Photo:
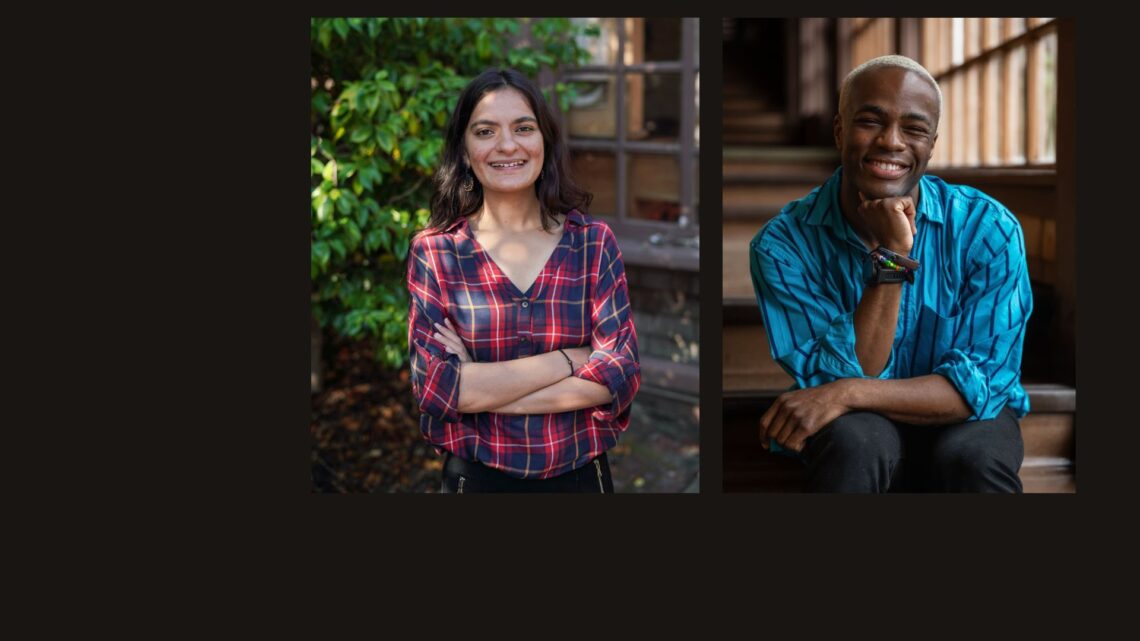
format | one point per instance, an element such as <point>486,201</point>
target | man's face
<point>887,136</point>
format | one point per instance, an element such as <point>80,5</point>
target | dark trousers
<point>463,477</point>
<point>866,452</point>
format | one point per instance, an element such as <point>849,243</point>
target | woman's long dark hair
<point>554,188</point>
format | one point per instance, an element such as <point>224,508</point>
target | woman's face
<point>502,143</point>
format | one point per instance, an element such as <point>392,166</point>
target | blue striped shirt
<point>963,318</point>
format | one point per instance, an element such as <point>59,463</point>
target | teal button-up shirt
<point>963,317</point>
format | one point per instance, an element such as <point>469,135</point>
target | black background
<point>234,442</point>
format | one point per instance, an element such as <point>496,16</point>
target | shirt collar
<point>826,210</point>
<point>573,217</point>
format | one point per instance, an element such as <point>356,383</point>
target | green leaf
<point>318,167</point>
<point>341,26</point>
<point>329,172</point>
<point>320,102</point>
<point>338,247</point>
<point>365,176</point>
<point>321,253</point>
<point>372,240</point>
<point>385,140</point>
<point>360,134</point>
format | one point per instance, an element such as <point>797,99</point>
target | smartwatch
<point>882,265</point>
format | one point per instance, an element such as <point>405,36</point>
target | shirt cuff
<point>439,396</point>
<point>972,384</point>
<point>619,374</point>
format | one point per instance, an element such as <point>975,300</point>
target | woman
<point>523,351</point>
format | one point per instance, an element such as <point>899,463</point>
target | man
<point>898,303</point>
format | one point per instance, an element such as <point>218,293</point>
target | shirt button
<point>523,339</point>
<point>525,304</point>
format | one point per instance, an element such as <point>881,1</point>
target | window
<point>633,134</point>
<point>999,86</point>
<point>998,78</point>
<point>871,38</point>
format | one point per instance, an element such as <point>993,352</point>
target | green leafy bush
<point>382,90</point>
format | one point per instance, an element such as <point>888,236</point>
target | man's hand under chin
<point>890,220</point>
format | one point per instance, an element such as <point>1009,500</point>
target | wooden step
<point>747,364</point>
<point>758,213</point>
<point>744,101</point>
<point>737,279</point>
<point>810,176</point>
<point>756,138</point>
<point>1048,433</point>
<point>740,307</point>
<point>781,153</point>
<point>739,116</point>
<point>752,194</point>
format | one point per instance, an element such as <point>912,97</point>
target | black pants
<point>462,477</point>
<point>866,452</point>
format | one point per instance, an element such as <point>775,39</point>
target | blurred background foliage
<point>382,90</point>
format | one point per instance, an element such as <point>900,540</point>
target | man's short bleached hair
<point>886,61</point>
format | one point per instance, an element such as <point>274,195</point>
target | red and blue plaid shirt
<point>580,298</point>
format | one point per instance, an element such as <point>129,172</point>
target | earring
<point>468,183</point>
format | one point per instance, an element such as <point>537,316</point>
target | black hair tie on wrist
<point>568,361</point>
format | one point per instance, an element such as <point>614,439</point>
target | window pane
<point>654,102</point>
<point>876,38</point>
<point>603,49</point>
<point>592,113</point>
<point>944,146</point>
<point>973,37</point>
<point>1014,27</point>
<point>958,48</point>
<point>596,172</point>
<point>992,33</point>
<point>662,39</point>
<point>991,111</point>
<point>973,91</point>
<point>958,149</point>
<point>1015,107</point>
<point>1047,99</point>
<point>652,106</point>
<point>654,187</point>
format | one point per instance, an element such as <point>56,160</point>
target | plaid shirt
<point>580,298</point>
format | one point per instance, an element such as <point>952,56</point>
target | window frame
<point>686,150</point>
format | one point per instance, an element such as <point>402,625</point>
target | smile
<point>886,170</point>
<point>508,165</point>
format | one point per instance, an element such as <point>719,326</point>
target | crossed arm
<point>540,384</point>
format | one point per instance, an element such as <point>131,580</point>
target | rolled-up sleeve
<point>614,361</point>
<point>985,361</point>
<point>435,372</point>
<point>809,334</point>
